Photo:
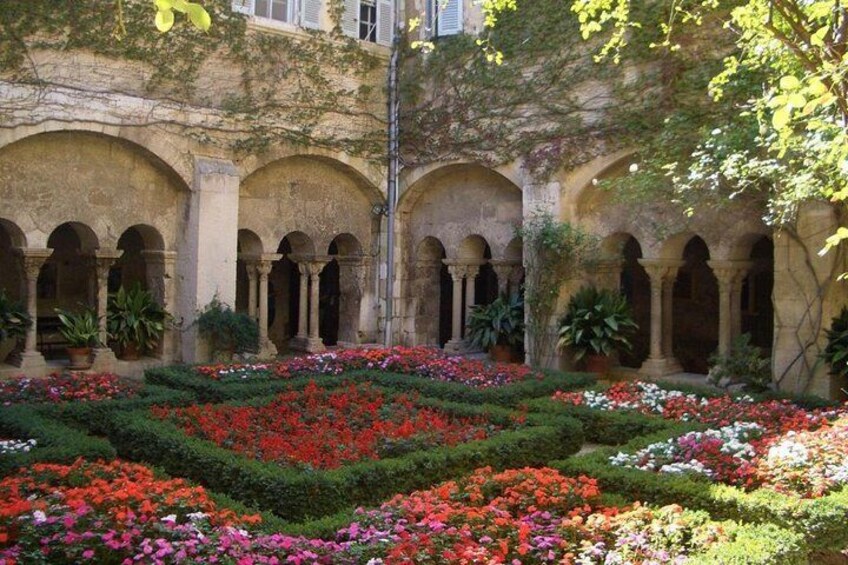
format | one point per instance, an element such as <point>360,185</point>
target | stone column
<point>267,349</point>
<point>457,273</point>
<point>251,267</point>
<point>515,277</point>
<point>745,269</point>
<point>104,357</point>
<point>31,362</point>
<point>160,281</point>
<point>352,287</point>
<point>660,273</point>
<point>729,275</point>
<point>207,247</point>
<point>503,270</point>
<point>314,267</point>
<point>300,340</point>
<point>471,273</point>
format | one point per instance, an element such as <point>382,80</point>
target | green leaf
<point>199,16</point>
<point>164,20</point>
<point>781,117</point>
<point>164,5</point>
<point>789,82</point>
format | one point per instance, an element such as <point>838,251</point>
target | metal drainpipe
<point>393,107</point>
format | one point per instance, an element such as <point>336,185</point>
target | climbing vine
<point>255,89</point>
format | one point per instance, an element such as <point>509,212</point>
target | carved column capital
<point>660,270</point>
<point>729,273</point>
<point>103,261</point>
<point>33,259</point>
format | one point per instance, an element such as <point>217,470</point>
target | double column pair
<point>663,273</point>
<point>258,269</point>
<point>460,273</point>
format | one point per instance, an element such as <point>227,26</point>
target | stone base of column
<point>298,343</point>
<point>454,346</point>
<point>660,367</point>
<point>32,364</point>
<point>104,360</point>
<point>268,350</point>
<point>315,345</point>
<point>347,344</point>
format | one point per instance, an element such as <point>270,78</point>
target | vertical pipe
<point>393,107</point>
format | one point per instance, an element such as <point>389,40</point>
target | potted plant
<point>135,321</point>
<point>595,325</point>
<point>82,332</point>
<point>835,353</point>
<point>14,323</point>
<point>497,327</point>
<point>228,332</point>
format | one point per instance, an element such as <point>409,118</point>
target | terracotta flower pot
<point>501,353</point>
<point>80,357</point>
<point>130,352</point>
<point>598,364</point>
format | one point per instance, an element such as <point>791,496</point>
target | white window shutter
<point>449,18</point>
<point>385,21</point>
<point>350,18</point>
<point>243,7</point>
<point>310,14</point>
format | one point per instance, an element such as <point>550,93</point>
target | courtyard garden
<point>411,456</point>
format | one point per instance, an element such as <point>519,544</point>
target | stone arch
<point>430,279</point>
<point>108,182</point>
<point>695,304</point>
<point>342,288</point>
<point>249,247</point>
<point>286,309</point>
<point>316,195</point>
<point>472,249</point>
<point>12,238</point>
<point>137,243</point>
<point>579,194</point>
<point>752,301</point>
<point>154,144</point>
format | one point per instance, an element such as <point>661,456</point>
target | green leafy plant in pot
<point>835,354</point>
<point>228,332</point>
<point>135,321</point>
<point>596,324</point>
<point>14,323</point>
<point>497,327</point>
<point>82,332</point>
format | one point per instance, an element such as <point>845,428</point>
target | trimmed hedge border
<point>824,520</point>
<point>57,442</point>
<point>95,416</point>
<point>296,495</point>
<point>209,390</point>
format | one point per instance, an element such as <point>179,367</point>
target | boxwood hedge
<point>296,495</point>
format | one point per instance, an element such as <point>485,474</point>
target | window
<point>443,17</point>
<point>279,10</point>
<point>368,20</point>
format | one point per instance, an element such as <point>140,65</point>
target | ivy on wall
<point>316,89</point>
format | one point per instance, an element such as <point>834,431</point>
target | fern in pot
<point>497,327</point>
<point>596,324</point>
<point>82,332</point>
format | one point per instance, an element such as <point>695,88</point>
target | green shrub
<point>596,322</point>
<point>228,331</point>
<point>135,318</point>
<point>745,364</point>
<point>57,442</point>
<point>296,495</point>
<point>498,323</point>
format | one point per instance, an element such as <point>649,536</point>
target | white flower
<point>39,517</point>
<point>634,167</point>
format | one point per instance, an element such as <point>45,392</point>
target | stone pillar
<point>251,267</point>
<point>352,287</point>
<point>504,271</point>
<point>314,267</point>
<point>31,362</point>
<point>160,281</point>
<point>729,275</point>
<point>471,273</point>
<point>515,277</point>
<point>300,340</point>
<point>267,349</point>
<point>660,273</point>
<point>457,273</point>
<point>208,247</point>
<point>745,269</point>
<point>104,357</point>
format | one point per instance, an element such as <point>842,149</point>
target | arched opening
<point>249,248</point>
<point>635,285</point>
<point>67,281</point>
<point>432,293</point>
<point>486,283</point>
<point>286,318</point>
<point>134,265</point>
<point>11,276</point>
<point>756,305</point>
<point>329,295</point>
<point>695,307</point>
<point>342,288</point>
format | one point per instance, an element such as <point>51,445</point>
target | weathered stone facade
<point>103,183</point>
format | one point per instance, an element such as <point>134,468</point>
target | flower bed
<point>776,416</point>
<point>9,446</point>
<point>425,362</point>
<point>121,513</point>
<point>65,387</point>
<point>325,429</point>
